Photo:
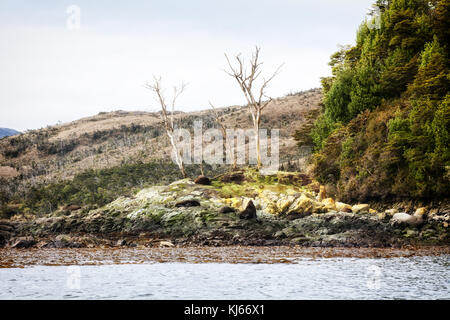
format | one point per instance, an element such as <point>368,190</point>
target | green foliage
<point>336,101</point>
<point>322,129</point>
<point>384,130</point>
<point>98,187</point>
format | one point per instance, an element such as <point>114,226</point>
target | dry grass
<point>287,114</point>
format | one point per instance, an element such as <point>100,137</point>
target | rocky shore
<point>234,209</point>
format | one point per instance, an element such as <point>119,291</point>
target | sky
<point>64,60</point>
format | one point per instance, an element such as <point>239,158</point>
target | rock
<point>329,204</point>
<point>404,218</point>
<point>23,243</point>
<point>296,215</point>
<point>343,207</point>
<point>121,243</point>
<point>421,212</point>
<point>303,205</point>
<point>234,177</point>
<point>72,207</point>
<point>360,208</point>
<point>63,238</point>
<point>187,203</point>
<point>322,194</point>
<point>432,213</point>
<point>382,215</point>
<point>227,209</point>
<point>166,244</point>
<point>391,212</point>
<point>44,244</point>
<point>411,233</point>
<point>428,233</point>
<point>202,180</point>
<point>249,211</point>
<point>182,182</point>
<point>283,203</point>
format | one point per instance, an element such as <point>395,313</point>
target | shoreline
<point>21,258</point>
<point>253,211</point>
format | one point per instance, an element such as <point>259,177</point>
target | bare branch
<point>246,79</point>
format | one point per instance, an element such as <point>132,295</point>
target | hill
<point>95,159</point>
<point>5,132</point>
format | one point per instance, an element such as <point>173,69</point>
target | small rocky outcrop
<point>166,244</point>
<point>121,243</point>
<point>23,242</point>
<point>234,177</point>
<point>203,180</point>
<point>249,212</point>
<point>360,208</point>
<point>407,219</point>
<point>187,204</point>
<point>343,207</point>
<point>226,209</point>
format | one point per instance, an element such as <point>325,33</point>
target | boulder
<point>121,243</point>
<point>227,209</point>
<point>203,180</point>
<point>329,204</point>
<point>187,203</point>
<point>421,212</point>
<point>166,244</point>
<point>302,205</point>
<point>360,208</point>
<point>249,212</point>
<point>283,203</point>
<point>23,243</point>
<point>404,218</point>
<point>343,207</point>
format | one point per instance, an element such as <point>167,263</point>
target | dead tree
<point>246,78</point>
<point>168,116</point>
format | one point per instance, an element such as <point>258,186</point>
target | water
<point>420,277</point>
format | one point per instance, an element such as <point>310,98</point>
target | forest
<point>383,132</point>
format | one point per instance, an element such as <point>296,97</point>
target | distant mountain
<point>5,132</point>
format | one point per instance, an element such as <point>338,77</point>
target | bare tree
<point>168,116</point>
<point>254,96</point>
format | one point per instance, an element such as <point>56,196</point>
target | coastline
<point>20,258</point>
<point>239,209</point>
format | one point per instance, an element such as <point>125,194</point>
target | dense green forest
<point>384,128</point>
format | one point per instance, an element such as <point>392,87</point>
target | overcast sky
<point>50,72</point>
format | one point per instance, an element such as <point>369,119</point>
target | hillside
<point>119,142</point>
<point>5,132</point>
<point>384,133</point>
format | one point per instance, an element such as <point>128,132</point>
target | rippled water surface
<point>303,276</point>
